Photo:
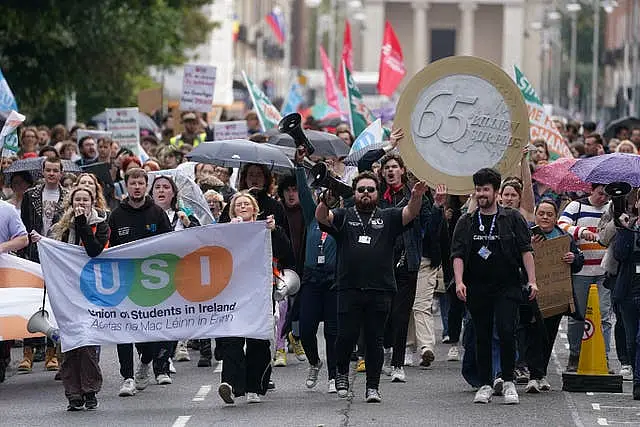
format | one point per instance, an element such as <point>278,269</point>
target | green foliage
<point>100,48</point>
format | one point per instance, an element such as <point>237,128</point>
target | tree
<point>99,49</point>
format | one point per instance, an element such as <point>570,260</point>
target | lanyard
<point>323,237</point>
<point>364,229</point>
<point>481,226</point>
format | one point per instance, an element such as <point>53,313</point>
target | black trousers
<point>540,339</point>
<point>395,335</point>
<point>357,307</point>
<point>483,309</point>
<point>246,372</point>
<point>456,314</point>
<point>156,352</point>
<point>319,303</point>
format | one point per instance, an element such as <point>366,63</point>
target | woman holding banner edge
<point>82,225</point>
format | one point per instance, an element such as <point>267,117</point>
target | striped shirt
<point>578,216</point>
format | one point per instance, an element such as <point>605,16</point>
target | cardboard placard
<point>553,276</point>
<point>230,130</point>
<point>150,100</point>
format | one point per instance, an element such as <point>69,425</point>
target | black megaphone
<point>321,177</point>
<point>291,124</point>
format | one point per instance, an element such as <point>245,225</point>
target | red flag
<point>347,55</point>
<point>330,91</point>
<point>391,62</point>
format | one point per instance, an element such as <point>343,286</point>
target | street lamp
<point>573,9</point>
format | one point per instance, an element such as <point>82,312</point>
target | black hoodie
<point>129,224</point>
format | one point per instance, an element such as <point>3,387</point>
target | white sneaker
<point>498,385</point>
<point>332,387</point>
<point>510,394</point>
<point>128,388</point>
<point>627,372</point>
<point>454,354</point>
<point>544,384</point>
<point>532,387</point>
<point>253,398</point>
<point>386,365</point>
<point>142,376</point>
<point>163,379</point>
<point>226,393</point>
<point>398,375</point>
<point>172,368</point>
<point>182,353</point>
<point>409,357</point>
<point>483,395</point>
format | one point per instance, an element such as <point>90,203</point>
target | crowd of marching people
<point>373,267</point>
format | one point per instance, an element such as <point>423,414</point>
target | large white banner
<point>124,127</point>
<point>202,282</point>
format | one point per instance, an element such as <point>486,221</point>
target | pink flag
<point>330,91</point>
<point>391,63</point>
<point>347,55</point>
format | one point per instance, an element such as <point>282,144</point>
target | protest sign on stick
<point>198,85</point>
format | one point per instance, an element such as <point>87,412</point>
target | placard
<point>230,130</point>
<point>124,127</point>
<point>553,276</point>
<point>150,100</point>
<point>198,85</point>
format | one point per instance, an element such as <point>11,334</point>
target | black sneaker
<point>342,385</point>
<point>90,401</point>
<point>75,405</point>
<point>372,396</point>
<point>271,385</point>
<point>521,375</point>
<point>58,376</point>
<point>204,362</point>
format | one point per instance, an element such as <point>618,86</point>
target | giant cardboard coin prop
<point>461,114</point>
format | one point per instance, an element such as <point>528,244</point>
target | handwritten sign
<point>198,85</point>
<point>124,127</point>
<point>230,130</point>
<point>553,276</point>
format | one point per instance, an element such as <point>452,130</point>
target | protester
<point>83,225</point>
<point>48,152</point>
<point>68,150</point>
<point>104,150</point>
<point>593,145</point>
<point>344,133</point>
<point>28,141</point>
<point>247,371</point>
<point>135,218</point>
<point>627,146</point>
<point>216,203</point>
<point>88,151</point>
<point>580,219</point>
<point>365,272</point>
<point>20,182</point>
<point>192,133</point>
<point>491,250</point>
<point>253,123</point>
<point>90,181</point>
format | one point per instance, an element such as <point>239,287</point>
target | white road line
<point>182,421</point>
<point>619,407</point>
<point>602,422</point>
<point>589,393</point>
<point>595,406</point>
<point>202,393</point>
<point>563,335</point>
<point>573,410</point>
<point>566,346</point>
<point>614,422</point>
<point>604,393</point>
<point>218,367</point>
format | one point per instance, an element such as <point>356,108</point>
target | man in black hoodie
<point>138,217</point>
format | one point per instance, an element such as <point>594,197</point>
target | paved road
<point>433,397</point>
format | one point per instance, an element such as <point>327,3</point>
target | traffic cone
<point>593,373</point>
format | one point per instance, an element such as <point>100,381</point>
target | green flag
<point>359,115</point>
<point>528,92</point>
<point>268,115</point>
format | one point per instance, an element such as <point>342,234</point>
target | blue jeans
<point>630,316</point>
<point>575,327</point>
<point>469,363</point>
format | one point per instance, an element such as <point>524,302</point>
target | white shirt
<point>49,204</point>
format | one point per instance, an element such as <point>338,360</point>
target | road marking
<point>218,367</point>
<point>602,422</point>
<point>618,407</point>
<point>566,346</point>
<point>182,421</point>
<point>573,410</point>
<point>563,335</point>
<point>595,406</point>
<point>202,393</point>
<point>604,393</point>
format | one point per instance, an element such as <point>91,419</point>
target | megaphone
<point>39,322</point>
<point>618,192</point>
<point>286,283</point>
<point>321,177</point>
<point>291,124</point>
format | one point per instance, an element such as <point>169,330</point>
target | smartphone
<point>537,231</point>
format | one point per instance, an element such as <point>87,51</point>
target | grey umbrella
<point>326,144</point>
<point>353,158</point>
<point>33,165</point>
<point>628,122</point>
<point>238,152</point>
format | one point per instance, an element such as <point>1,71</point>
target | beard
<point>485,202</point>
<point>367,205</point>
<point>136,199</point>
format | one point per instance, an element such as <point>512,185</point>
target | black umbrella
<point>353,158</point>
<point>238,152</point>
<point>144,121</point>
<point>628,122</point>
<point>33,165</point>
<point>326,144</point>
<point>331,122</point>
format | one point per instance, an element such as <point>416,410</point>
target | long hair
<point>68,218</point>
<point>244,172</point>
<point>174,188</point>
<point>101,202</point>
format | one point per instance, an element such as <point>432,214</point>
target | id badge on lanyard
<point>321,258</point>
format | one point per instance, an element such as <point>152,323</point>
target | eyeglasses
<point>366,189</point>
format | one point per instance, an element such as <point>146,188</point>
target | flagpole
<point>348,95</point>
<point>253,99</point>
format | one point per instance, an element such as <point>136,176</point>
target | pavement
<point>437,396</point>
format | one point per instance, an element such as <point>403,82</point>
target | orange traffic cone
<point>593,374</point>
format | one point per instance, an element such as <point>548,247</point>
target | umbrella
<point>144,121</point>
<point>33,165</point>
<point>558,176</point>
<point>237,152</point>
<point>190,198</point>
<point>353,158</point>
<point>608,168</point>
<point>628,122</point>
<point>326,144</point>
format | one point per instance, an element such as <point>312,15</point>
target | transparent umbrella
<point>190,198</point>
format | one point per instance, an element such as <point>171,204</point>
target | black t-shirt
<point>486,269</point>
<point>365,248</point>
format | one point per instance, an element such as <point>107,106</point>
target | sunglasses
<point>366,189</point>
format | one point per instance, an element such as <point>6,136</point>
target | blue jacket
<point>627,257</point>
